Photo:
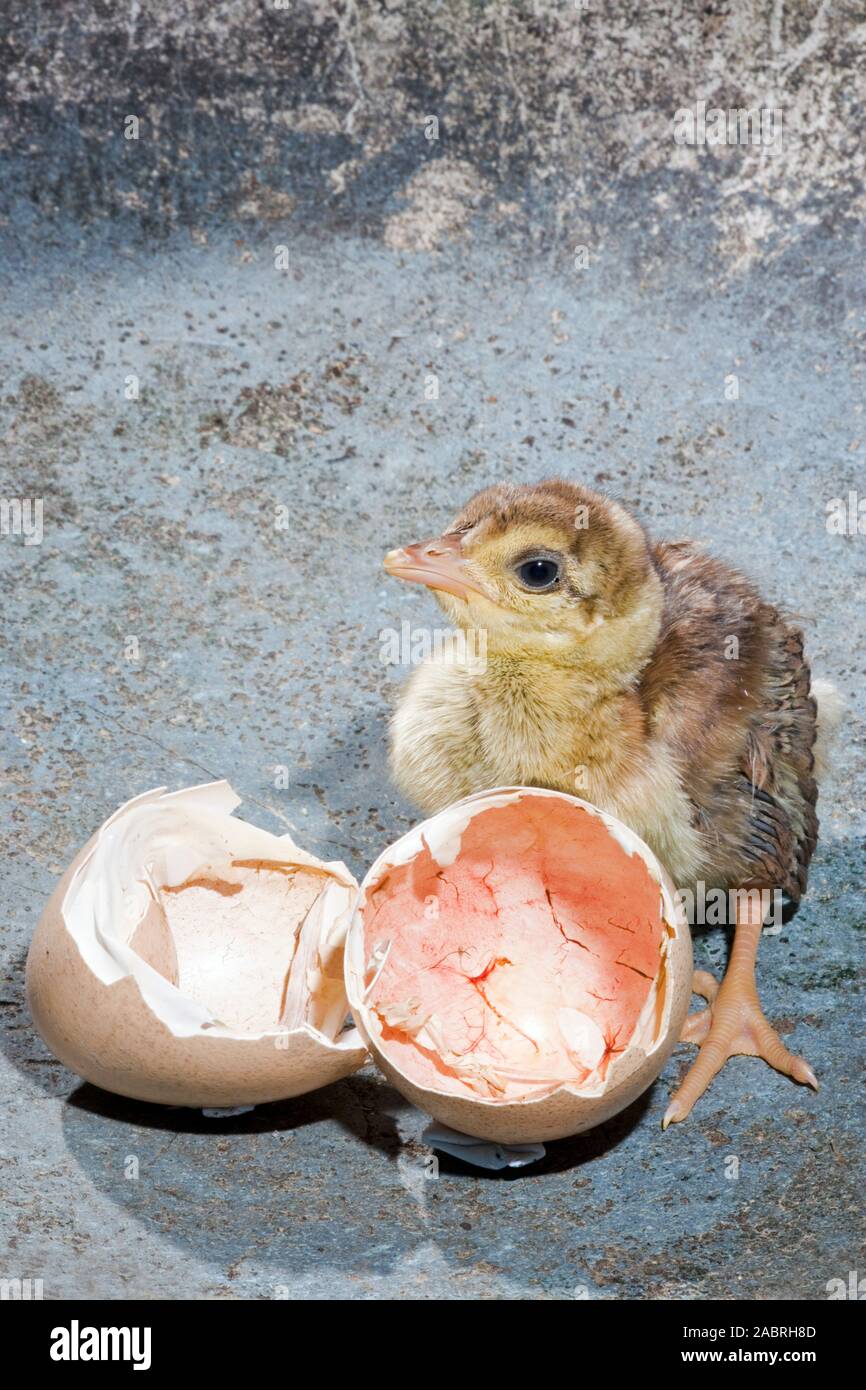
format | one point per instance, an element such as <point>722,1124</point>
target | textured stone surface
<point>258,647</point>
<point>552,114</point>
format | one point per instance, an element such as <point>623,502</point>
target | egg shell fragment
<point>118,986</point>
<point>408,992</point>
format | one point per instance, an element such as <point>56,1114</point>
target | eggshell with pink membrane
<point>519,965</point>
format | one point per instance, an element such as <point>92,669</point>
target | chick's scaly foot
<point>697,1026</point>
<point>733,1024</point>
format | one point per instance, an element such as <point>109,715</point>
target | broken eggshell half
<point>190,958</point>
<point>519,965</point>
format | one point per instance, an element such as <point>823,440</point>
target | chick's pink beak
<point>439,564</point>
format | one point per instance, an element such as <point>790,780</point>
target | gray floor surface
<point>260,648</point>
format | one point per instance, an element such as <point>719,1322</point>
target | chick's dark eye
<point>539,573</point>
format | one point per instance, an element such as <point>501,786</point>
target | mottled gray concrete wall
<point>552,115</point>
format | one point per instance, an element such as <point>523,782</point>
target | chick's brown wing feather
<point>779,761</point>
<point>727,689</point>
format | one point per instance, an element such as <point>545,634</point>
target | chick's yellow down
<point>651,680</point>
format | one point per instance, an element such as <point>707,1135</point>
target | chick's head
<point>551,568</point>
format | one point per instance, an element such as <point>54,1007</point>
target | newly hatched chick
<point>648,679</point>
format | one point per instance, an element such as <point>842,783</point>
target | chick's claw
<point>733,1024</point>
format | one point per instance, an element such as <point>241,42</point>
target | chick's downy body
<point>651,680</point>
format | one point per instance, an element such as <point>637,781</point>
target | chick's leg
<point>733,1022</point>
